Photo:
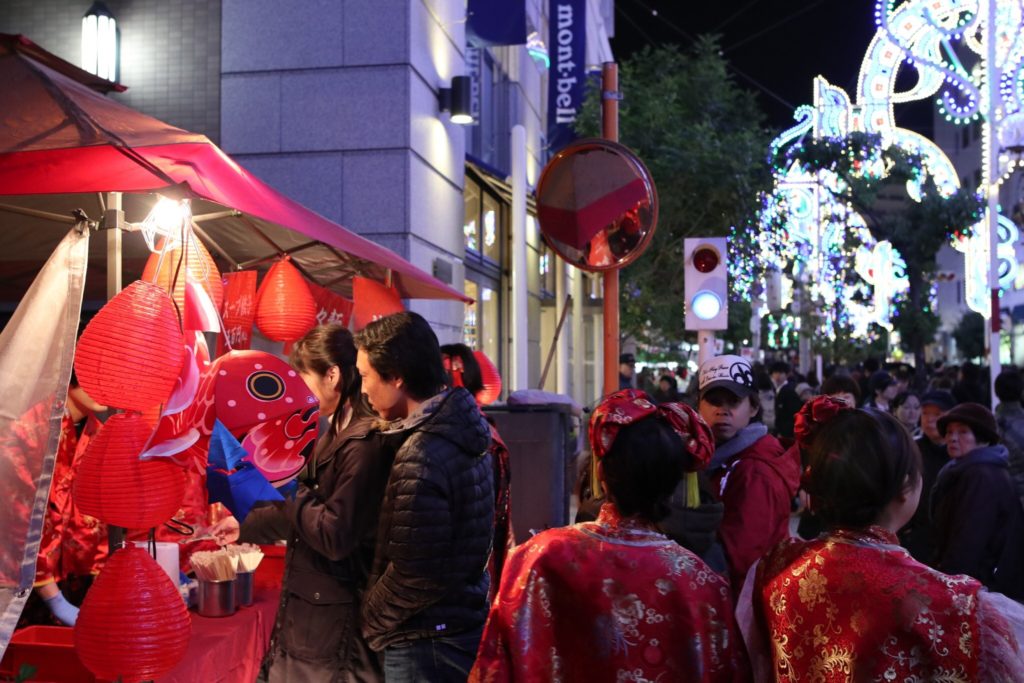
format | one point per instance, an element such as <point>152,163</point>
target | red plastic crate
<point>51,650</point>
<point>270,571</point>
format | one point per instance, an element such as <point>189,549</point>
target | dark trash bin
<point>542,441</point>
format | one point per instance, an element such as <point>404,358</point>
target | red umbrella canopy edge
<point>61,137</point>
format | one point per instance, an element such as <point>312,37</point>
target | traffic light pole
<point>705,346</point>
<point>610,131</point>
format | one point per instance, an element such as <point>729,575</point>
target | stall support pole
<point>113,220</point>
<point>610,131</point>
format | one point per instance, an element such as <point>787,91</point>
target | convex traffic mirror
<point>597,205</point>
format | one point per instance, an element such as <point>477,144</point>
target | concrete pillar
<point>520,293</point>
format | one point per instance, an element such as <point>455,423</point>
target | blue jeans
<point>437,660</point>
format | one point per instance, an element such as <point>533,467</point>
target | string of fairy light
<point>803,231</point>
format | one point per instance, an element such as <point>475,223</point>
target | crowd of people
<point>905,491</point>
<point>869,527</point>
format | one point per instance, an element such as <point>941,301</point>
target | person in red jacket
<point>751,473</point>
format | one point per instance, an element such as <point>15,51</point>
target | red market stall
<point>74,163</point>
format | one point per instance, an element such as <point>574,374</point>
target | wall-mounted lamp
<point>99,42</point>
<point>456,100</point>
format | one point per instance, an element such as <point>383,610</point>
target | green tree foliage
<point>970,335</point>
<point>702,138</point>
<point>917,229</point>
<point>845,349</point>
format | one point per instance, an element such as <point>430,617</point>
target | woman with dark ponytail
<point>464,369</point>
<point>330,525</point>
<point>852,605</point>
<point>616,599</point>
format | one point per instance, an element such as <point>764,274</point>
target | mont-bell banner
<point>568,75</point>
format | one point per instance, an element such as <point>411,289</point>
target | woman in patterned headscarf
<point>852,605</point>
<point>615,599</point>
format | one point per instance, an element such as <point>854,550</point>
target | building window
<point>481,326</point>
<point>491,222</point>
<point>485,225</point>
<point>489,335</point>
<point>965,137</point>
<point>485,228</point>
<point>471,225</point>
<point>487,140</point>
<point>548,267</point>
<point>470,322</point>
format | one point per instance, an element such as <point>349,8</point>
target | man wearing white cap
<point>755,478</point>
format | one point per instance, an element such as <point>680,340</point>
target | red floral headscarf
<point>813,414</point>
<point>631,405</point>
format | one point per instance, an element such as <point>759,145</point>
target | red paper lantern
<point>133,625</point>
<point>114,486</point>
<point>491,379</point>
<point>199,265</point>
<point>372,301</point>
<point>130,354</point>
<point>285,310</point>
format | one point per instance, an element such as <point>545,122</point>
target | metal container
<point>243,588</point>
<point>217,598</point>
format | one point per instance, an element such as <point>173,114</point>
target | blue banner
<point>495,22</point>
<point>567,77</point>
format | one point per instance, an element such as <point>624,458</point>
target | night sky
<point>774,47</point>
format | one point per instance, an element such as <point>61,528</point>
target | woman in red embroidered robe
<point>616,599</point>
<point>852,605</point>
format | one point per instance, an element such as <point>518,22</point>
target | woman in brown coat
<point>330,526</point>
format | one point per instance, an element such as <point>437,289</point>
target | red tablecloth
<point>224,650</point>
<point>228,649</point>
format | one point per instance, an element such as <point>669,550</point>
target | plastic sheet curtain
<point>36,355</point>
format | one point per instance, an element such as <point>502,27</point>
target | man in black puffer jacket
<point>427,598</point>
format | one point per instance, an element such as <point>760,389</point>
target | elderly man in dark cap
<point>975,508</point>
<point>627,370</point>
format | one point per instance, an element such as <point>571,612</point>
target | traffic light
<point>706,285</point>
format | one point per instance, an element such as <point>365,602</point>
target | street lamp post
<point>990,164</point>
